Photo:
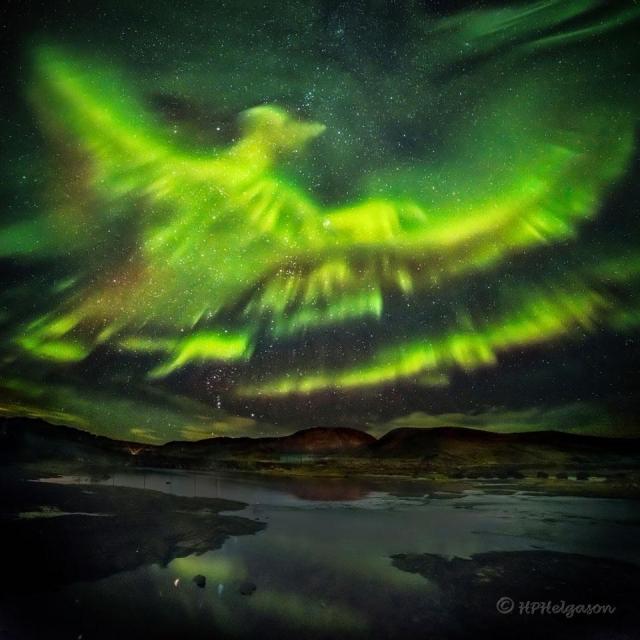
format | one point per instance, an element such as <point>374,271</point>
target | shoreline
<point>627,487</point>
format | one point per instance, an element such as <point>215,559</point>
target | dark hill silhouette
<point>407,441</point>
<point>403,451</point>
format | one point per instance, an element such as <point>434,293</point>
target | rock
<point>471,588</point>
<point>247,588</point>
<point>200,580</point>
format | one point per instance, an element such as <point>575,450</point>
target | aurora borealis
<point>221,218</point>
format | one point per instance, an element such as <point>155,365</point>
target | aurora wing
<point>520,187</point>
<point>200,227</point>
<point>229,257</point>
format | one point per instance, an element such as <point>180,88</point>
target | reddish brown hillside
<point>321,439</point>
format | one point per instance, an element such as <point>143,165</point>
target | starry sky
<point>244,218</point>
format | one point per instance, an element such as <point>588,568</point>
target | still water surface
<point>322,566</point>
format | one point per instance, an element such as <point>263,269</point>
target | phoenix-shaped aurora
<point>227,263</point>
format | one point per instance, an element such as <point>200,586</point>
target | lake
<point>322,567</point>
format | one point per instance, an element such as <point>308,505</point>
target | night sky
<point>242,218</point>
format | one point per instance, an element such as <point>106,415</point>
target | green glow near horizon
<point>192,257</point>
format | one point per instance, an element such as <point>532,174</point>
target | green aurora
<point>233,230</point>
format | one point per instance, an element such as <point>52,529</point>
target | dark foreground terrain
<point>56,536</point>
<point>547,461</point>
<point>91,557</point>
<point>96,561</point>
<point>531,594</point>
<point>67,533</point>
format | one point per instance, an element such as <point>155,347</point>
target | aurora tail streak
<point>315,230</point>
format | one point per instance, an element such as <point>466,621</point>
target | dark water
<point>322,565</point>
